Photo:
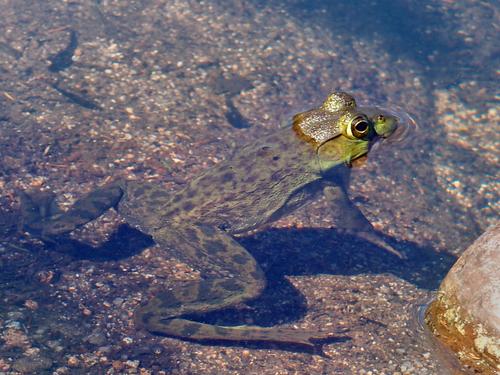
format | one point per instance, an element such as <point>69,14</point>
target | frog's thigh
<point>229,275</point>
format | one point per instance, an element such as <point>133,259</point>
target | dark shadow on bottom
<point>122,244</point>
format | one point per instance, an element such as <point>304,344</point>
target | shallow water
<point>161,90</point>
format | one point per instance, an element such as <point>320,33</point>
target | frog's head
<point>341,132</point>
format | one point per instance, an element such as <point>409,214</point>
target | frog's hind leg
<point>41,216</point>
<point>229,275</point>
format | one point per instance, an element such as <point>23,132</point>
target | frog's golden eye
<point>359,127</point>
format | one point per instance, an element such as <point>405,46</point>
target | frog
<point>200,224</point>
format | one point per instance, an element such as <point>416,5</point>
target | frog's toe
<point>375,239</point>
<point>193,330</point>
<point>306,337</point>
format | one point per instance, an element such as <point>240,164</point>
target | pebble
<point>96,338</point>
<point>127,340</point>
<point>407,367</point>
<point>104,349</point>
<point>14,324</point>
<point>62,371</point>
<point>4,366</point>
<point>45,277</point>
<point>86,312</point>
<point>132,364</point>
<point>15,315</point>
<point>118,365</point>
<point>32,352</point>
<point>31,305</point>
<point>103,360</point>
<point>32,365</point>
<point>73,361</point>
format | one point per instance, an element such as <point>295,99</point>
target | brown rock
<point>73,361</point>
<point>15,338</point>
<point>45,277</point>
<point>32,365</point>
<point>466,313</point>
<point>31,305</point>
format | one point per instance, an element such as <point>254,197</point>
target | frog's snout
<point>405,129</point>
<point>393,125</point>
<point>385,125</point>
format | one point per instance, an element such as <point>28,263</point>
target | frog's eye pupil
<point>361,126</point>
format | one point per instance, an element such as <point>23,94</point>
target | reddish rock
<point>466,312</point>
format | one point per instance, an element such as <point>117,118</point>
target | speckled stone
<point>466,313</point>
<point>32,365</point>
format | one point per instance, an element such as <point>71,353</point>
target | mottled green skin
<point>258,184</point>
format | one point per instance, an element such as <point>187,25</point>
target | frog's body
<point>236,194</point>
<point>260,183</point>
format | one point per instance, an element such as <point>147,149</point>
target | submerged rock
<point>32,365</point>
<point>466,312</point>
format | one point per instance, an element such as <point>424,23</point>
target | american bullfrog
<point>261,182</point>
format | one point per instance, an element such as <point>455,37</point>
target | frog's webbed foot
<point>230,276</point>
<point>37,207</point>
<point>351,220</point>
<point>377,240</point>
<point>41,216</point>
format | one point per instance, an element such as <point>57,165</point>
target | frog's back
<point>245,190</point>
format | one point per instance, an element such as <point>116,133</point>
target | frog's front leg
<point>41,216</point>
<point>229,276</point>
<point>351,220</point>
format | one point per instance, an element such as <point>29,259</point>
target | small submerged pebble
<point>32,365</point>
<point>31,305</point>
<point>73,361</point>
